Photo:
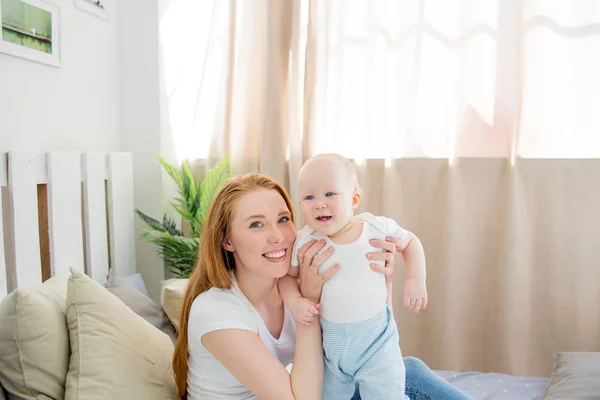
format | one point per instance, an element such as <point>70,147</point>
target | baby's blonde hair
<point>343,161</point>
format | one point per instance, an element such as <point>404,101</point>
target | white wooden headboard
<point>62,210</point>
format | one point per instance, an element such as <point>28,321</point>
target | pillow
<point>172,297</point>
<point>34,341</point>
<point>137,282</point>
<point>115,353</point>
<point>576,375</point>
<point>140,304</point>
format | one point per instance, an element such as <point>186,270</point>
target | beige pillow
<point>115,353</point>
<point>140,304</point>
<point>34,341</point>
<point>172,297</point>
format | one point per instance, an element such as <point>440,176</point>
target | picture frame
<point>98,8</point>
<point>30,29</point>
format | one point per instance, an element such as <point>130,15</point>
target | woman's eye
<point>283,220</point>
<point>309,197</point>
<point>329,194</point>
<point>255,224</point>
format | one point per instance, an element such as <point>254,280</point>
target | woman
<point>236,336</point>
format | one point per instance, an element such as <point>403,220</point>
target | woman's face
<point>261,234</point>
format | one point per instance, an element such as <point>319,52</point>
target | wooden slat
<point>22,192</point>
<point>64,212</point>
<point>94,200</point>
<point>42,193</point>
<point>121,216</point>
<point>3,276</point>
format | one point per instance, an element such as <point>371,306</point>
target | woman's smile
<point>277,255</point>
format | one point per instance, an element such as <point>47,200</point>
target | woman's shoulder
<point>219,299</point>
<point>222,307</point>
<point>217,295</point>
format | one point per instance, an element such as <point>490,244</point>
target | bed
<point>64,210</point>
<point>492,386</point>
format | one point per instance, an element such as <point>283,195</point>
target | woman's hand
<point>311,282</point>
<point>389,255</point>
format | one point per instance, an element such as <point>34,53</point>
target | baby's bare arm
<point>289,287</point>
<point>413,254</point>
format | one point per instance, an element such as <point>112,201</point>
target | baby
<point>360,337</point>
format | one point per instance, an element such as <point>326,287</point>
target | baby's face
<point>326,196</point>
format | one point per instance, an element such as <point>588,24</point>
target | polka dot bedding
<point>492,386</point>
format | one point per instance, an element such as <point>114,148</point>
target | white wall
<point>141,122</point>
<point>105,97</point>
<point>72,107</point>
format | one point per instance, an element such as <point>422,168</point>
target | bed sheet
<point>494,386</point>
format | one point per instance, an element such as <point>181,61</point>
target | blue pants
<point>424,384</point>
<point>363,357</point>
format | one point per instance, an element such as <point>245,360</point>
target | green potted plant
<point>179,251</point>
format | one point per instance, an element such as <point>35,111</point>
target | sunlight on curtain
<point>560,79</point>
<point>194,41</point>
<point>405,79</point>
<point>460,78</point>
<point>394,79</point>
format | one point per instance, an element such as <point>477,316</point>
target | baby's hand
<point>303,310</point>
<point>415,294</point>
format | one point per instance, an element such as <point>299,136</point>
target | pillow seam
<point>76,304</point>
<point>19,351</point>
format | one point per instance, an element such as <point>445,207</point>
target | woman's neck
<point>260,291</point>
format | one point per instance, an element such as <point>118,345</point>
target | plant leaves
<point>213,180</point>
<point>180,253</point>
<point>173,172</point>
<point>152,223</point>
<point>188,178</point>
<point>171,226</point>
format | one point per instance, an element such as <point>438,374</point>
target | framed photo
<point>99,8</point>
<point>30,30</point>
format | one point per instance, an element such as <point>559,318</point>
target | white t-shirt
<point>356,292</point>
<point>218,309</point>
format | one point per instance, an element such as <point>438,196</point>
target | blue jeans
<point>424,384</point>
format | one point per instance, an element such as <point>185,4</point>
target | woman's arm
<point>245,355</point>
<point>307,372</point>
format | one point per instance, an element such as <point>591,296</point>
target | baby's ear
<point>227,245</point>
<point>355,199</point>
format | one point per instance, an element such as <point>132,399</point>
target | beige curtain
<point>513,266</point>
<point>443,105</point>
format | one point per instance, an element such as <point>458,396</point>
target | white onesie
<point>356,292</point>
